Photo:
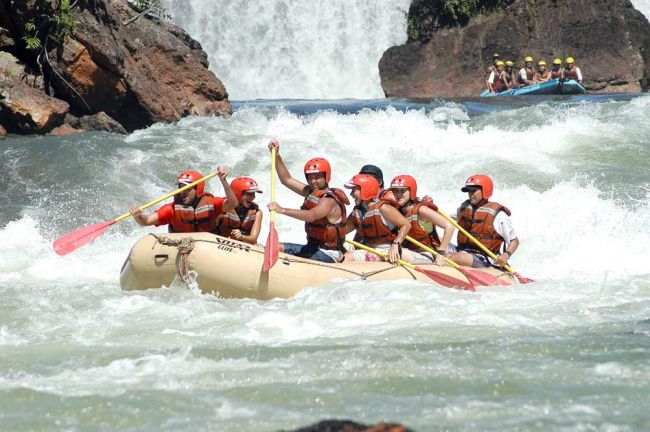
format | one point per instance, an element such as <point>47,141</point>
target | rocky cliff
<point>118,66</point>
<point>609,39</point>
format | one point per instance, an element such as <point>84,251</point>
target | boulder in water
<point>609,39</point>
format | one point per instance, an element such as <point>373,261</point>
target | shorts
<point>362,255</point>
<point>479,260</point>
<point>417,257</point>
<point>312,251</point>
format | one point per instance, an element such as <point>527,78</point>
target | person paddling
<point>244,222</point>
<point>526,73</point>
<point>423,217</point>
<point>377,221</point>
<point>193,210</point>
<point>557,71</point>
<point>323,210</point>
<point>488,222</point>
<point>572,71</point>
<point>542,74</point>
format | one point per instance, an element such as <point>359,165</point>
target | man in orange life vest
<point>323,210</point>
<point>486,221</point>
<point>193,210</point>
<point>571,70</point>
<point>244,222</point>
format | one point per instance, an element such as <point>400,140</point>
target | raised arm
<point>283,173</point>
<point>231,199</point>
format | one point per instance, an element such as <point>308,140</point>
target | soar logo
<point>228,245</point>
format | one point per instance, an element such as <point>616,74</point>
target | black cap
<point>374,171</point>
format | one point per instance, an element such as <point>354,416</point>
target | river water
<point>570,352</point>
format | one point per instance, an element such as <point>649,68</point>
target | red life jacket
<point>322,232</point>
<point>370,227</point>
<point>479,222</point>
<point>232,220</point>
<point>571,73</point>
<point>430,239</point>
<point>497,84</point>
<point>198,218</point>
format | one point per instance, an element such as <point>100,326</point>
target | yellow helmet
<point>495,55</point>
<point>541,63</point>
<point>528,59</point>
<point>509,63</point>
<point>557,61</point>
<point>569,60</point>
<point>500,63</point>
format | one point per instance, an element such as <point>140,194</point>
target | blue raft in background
<point>553,87</point>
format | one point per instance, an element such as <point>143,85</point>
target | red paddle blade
<point>523,280</point>
<point>272,249</point>
<point>479,278</point>
<point>82,236</point>
<point>446,280</point>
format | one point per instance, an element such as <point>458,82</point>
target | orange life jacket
<point>479,222</point>
<point>571,73</point>
<point>370,227</point>
<point>322,232</point>
<point>430,239</point>
<point>240,218</point>
<point>198,218</point>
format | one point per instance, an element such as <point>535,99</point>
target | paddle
<point>439,278</point>
<point>475,277</point>
<point>74,240</point>
<point>483,248</point>
<point>272,246</point>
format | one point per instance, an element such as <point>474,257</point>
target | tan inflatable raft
<point>231,268</point>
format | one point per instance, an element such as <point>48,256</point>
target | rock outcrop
<point>136,70</point>
<point>609,39</point>
<point>350,426</point>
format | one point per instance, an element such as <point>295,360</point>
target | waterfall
<point>293,48</point>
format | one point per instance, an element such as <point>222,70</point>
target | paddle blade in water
<point>479,278</point>
<point>446,280</point>
<point>82,236</point>
<point>272,248</point>
<point>523,280</point>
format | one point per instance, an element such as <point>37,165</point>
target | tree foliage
<point>45,20</point>
<point>427,16</point>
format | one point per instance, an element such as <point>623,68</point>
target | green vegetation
<point>45,20</point>
<point>427,16</point>
<point>153,7</point>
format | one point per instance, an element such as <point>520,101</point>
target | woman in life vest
<point>244,222</point>
<point>497,80</point>
<point>193,210</point>
<point>486,221</point>
<point>542,74</point>
<point>509,76</point>
<point>323,210</point>
<point>526,74</point>
<point>424,218</point>
<point>557,71</point>
<point>572,71</point>
<point>377,221</point>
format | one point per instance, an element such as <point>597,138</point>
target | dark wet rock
<point>6,41</point>
<point>350,426</point>
<point>138,72</point>
<point>609,39</point>
<point>64,130</point>
<point>100,122</point>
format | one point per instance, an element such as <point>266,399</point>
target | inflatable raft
<point>552,87</point>
<point>230,268</point>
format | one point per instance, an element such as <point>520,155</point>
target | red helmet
<point>368,185</point>
<point>244,184</point>
<point>482,181</point>
<point>318,165</point>
<point>188,177</point>
<point>405,181</point>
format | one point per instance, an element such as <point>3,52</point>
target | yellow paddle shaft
<point>379,254</point>
<point>427,248</point>
<point>273,153</point>
<point>164,197</point>
<point>476,242</point>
